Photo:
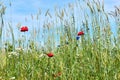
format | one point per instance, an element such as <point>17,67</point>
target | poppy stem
<point>49,66</point>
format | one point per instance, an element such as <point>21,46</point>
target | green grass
<point>96,56</point>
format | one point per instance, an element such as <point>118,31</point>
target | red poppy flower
<point>50,54</point>
<point>80,33</point>
<point>57,74</point>
<point>24,28</point>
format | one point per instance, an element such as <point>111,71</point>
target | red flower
<point>24,28</point>
<point>50,54</point>
<point>57,74</point>
<point>80,33</point>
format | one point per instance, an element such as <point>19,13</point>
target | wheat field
<point>77,43</point>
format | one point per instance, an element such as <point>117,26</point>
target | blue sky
<point>24,8</point>
<point>109,4</point>
<point>21,9</point>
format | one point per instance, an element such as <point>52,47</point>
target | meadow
<point>77,43</point>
